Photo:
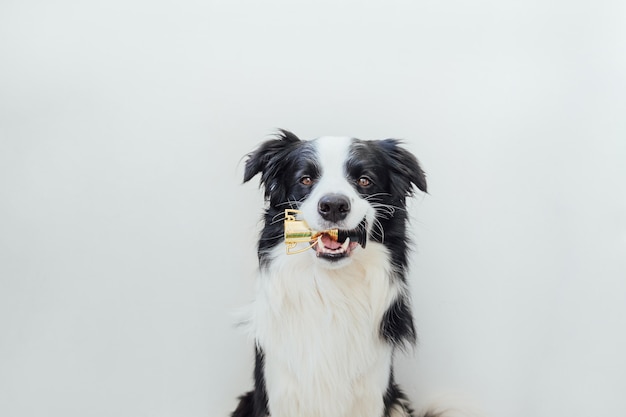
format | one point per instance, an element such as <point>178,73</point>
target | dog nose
<point>334,207</point>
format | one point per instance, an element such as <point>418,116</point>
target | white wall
<point>127,241</point>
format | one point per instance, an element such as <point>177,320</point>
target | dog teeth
<point>320,248</point>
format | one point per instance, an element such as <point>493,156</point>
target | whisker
<point>292,203</point>
<point>379,226</point>
<point>271,237</point>
<point>389,206</point>
<point>278,218</point>
<point>368,197</point>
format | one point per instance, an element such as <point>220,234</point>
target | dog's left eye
<point>364,182</point>
<point>306,180</point>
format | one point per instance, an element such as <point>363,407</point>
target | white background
<point>127,241</point>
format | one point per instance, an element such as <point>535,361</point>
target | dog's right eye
<point>306,180</point>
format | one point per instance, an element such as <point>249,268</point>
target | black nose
<point>334,207</point>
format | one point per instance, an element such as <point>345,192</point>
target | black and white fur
<point>327,322</point>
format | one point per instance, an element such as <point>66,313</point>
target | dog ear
<point>405,169</point>
<point>259,160</point>
<point>268,160</point>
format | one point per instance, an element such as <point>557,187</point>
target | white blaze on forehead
<point>333,152</point>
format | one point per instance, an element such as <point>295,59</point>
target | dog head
<point>338,182</point>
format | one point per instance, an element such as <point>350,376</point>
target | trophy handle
<point>291,245</point>
<point>290,214</point>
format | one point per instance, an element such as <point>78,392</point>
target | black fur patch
<point>394,172</point>
<point>397,325</point>
<point>395,397</point>
<point>254,403</point>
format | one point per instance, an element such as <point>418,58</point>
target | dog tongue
<point>329,243</point>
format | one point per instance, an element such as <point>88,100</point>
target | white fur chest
<point>319,330</point>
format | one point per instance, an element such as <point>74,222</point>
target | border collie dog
<point>327,322</point>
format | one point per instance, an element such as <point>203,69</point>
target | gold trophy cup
<point>298,231</point>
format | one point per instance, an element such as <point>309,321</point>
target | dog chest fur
<point>320,332</point>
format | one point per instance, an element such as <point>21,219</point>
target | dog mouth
<point>341,244</point>
<point>326,247</point>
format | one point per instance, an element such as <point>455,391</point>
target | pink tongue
<point>329,243</point>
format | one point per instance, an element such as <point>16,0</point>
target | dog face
<point>337,182</point>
